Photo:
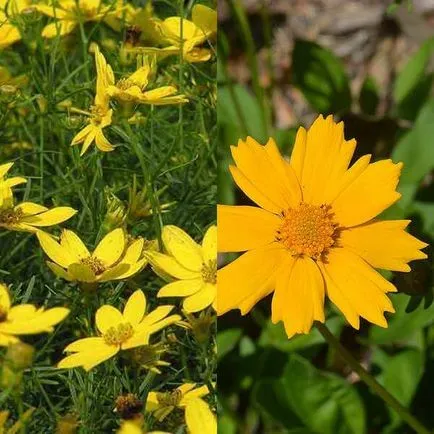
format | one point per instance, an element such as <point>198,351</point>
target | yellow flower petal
<point>134,251</point>
<point>4,169</point>
<point>369,194</point>
<point>209,244</point>
<point>248,279</point>
<point>5,300</point>
<point>242,228</point>
<point>54,250</point>
<point>384,244</point>
<point>60,28</point>
<point>89,359</point>
<point>201,299</point>
<point>85,344</point>
<point>111,247</point>
<point>205,18</point>
<point>181,288</point>
<point>81,273</point>
<point>198,392</point>
<point>182,247</point>
<point>16,180</point>
<point>356,288</point>
<point>51,217</point>
<point>38,322</point>
<point>106,317</point>
<point>156,315</point>
<point>82,134</point>
<point>59,271</point>
<point>135,308</point>
<point>6,340</point>
<point>30,208</point>
<point>299,296</point>
<point>199,418</point>
<point>72,242</point>
<point>170,266</point>
<point>320,157</point>
<point>102,143</point>
<point>268,173</point>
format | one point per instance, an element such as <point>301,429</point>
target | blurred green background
<point>371,63</point>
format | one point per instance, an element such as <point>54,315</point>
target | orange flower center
<point>11,216</point>
<point>118,335</point>
<point>169,399</point>
<point>209,272</point>
<point>95,264</point>
<point>308,230</point>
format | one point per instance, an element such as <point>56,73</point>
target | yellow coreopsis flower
<point>26,216</point>
<point>186,36</point>
<point>199,418</point>
<point>69,14</point>
<point>161,404</point>
<point>193,265</point>
<point>119,331</point>
<point>9,32</point>
<point>132,89</point>
<point>315,232</point>
<point>100,115</point>
<point>25,319</point>
<point>113,259</point>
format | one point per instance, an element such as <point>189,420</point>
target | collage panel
<point>108,229</point>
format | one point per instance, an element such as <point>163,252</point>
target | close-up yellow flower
<point>118,331</point>
<point>100,115</point>
<point>70,13</point>
<point>26,216</point>
<point>25,319</point>
<point>132,89</point>
<point>315,231</point>
<point>114,258</point>
<point>199,418</point>
<point>161,404</point>
<point>193,266</point>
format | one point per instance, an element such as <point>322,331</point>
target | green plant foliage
<point>320,75</point>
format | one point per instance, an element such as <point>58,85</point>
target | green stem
<point>246,33</point>
<point>370,381</point>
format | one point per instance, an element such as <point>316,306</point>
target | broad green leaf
<point>407,366</point>
<point>238,109</point>
<point>321,77</point>
<point>226,341</point>
<point>415,149</point>
<point>413,84</point>
<point>402,325</point>
<point>270,396</point>
<point>323,402</point>
<point>273,335</point>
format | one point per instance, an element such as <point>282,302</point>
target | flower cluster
<point>117,303</point>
